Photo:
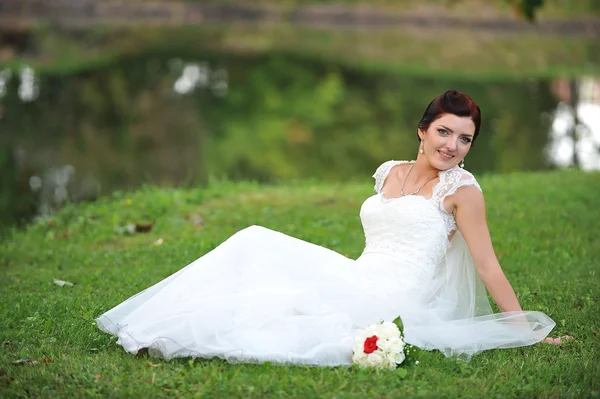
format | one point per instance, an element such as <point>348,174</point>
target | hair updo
<point>451,102</point>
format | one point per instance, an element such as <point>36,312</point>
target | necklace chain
<point>406,178</point>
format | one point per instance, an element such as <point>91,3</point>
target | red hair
<point>452,102</point>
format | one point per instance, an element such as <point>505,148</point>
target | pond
<point>156,118</point>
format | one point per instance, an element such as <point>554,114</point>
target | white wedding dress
<point>264,296</point>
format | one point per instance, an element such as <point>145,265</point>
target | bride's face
<point>447,140</point>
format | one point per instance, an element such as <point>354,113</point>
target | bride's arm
<point>470,217</point>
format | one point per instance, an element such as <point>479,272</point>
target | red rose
<point>371,344</point>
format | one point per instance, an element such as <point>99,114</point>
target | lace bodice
<point>413,229</point>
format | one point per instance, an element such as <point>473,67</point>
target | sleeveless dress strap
<point>450,181</point>
<point>382,173</point>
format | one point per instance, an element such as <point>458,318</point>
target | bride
<point>264,296</point>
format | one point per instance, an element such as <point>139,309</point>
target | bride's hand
<point>559,340</point>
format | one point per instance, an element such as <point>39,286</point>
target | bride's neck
<point>422,171</point>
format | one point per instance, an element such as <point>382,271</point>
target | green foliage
<point>284,117</point>
<point>398,321</point>
<point>289,117</point>
<point>544,234</point>
<point>527,8</point>
<point>413,353</point>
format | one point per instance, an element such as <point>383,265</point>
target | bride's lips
<point>444,157</point>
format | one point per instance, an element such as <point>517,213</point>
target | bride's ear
<point>421,133</point>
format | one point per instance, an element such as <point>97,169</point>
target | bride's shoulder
<point>383,171</point>
<point>385,167</point>
<point>455,178</point>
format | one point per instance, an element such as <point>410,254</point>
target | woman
<point>264,296</point>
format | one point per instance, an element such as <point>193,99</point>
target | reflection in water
<point>54,187</point>
<point>199,75</point>
<point>577,140</point>
<point>4,77</point>
<point>28,84</point>
<point>163,120</point>
<point>29,87</point>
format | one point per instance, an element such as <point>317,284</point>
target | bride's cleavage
<point>400,181</point>
<point>386,198</point>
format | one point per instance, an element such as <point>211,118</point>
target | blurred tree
<point>526,8</point>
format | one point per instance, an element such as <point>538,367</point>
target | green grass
<point>544,235</point>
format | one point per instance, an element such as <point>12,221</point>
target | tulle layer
<point>264,296</point>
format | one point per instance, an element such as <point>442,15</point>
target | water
<point>159,119</point>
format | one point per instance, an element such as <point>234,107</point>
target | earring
<point>462,163</point>
<point>421,148</point>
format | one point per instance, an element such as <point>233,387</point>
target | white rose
<point>374,359</point>
<point>359,358</point>
<point>358,355</point>
<point>399,357</point>
<point>396,345</point>
<point>388,330</point>
<point>389,362</point>
<point>373,329</point>
<point>383,344</point>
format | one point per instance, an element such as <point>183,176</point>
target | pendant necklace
<point>406,178</point>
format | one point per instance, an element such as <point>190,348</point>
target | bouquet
<point>382,345</point>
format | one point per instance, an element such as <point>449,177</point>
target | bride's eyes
<point>444,132</point>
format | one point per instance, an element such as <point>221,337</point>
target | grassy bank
<point>549,8</point>
<point>543,232</point>
<point>466,49</point>
<point>481,57</point>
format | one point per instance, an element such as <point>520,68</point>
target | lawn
<point>544,232</point>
